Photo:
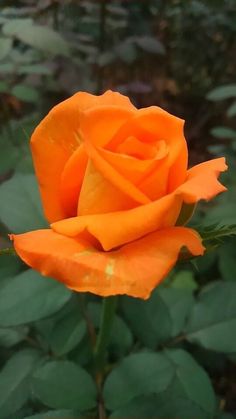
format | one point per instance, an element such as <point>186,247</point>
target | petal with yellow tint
<point>134,269</point>
<point>98,195</point>
<point>113,176</point>
<point>116,228</point>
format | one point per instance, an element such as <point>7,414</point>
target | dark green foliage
<point>172,356</point>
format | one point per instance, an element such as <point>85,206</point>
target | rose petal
<point>98,195</point>
<point>57,137</point>
<point>113,176</point>
<point>99,125</point>
<point>135,269</point>
<point>201,182</point>
<point>154,124</point>
<point>71,180</point>
<point>116,228</point>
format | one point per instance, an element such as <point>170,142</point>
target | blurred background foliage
<point>177,54</point>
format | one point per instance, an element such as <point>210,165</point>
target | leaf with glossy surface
<point>64,385</point>
<point>28,297</point>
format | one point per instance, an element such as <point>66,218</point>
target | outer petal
<point>116,228</point>
<point>201,182</point>
<point>134,269</point>
<point>57,137</point>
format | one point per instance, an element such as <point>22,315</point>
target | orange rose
<point>113,180</point>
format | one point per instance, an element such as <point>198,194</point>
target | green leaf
<point>56,414</point>
<point>224,210</point>
<point>5,47</point>
<point>121,337</point>
<point>126,51</point>
<point>40,69</point>
<point>179,303</point>
<point>14,381</point>
<point>25,93</point>
<point>224,133</point>
<point>137,375</point>
<point>222,92</point>
<point>4,87</point>
<point>150,44</point>
<point>212,321</point>
<point>168,304</point>
<point>184,280</point>
<point>21,414</point>
<point>11,336</point>
<point>9,266</point>
<point>28,297</point>
<point>165,405</point>
<point>67,333</point>
<point>227,260</point>
<point>20,207</point>
<point>144,319</point>
<point>37,36</point>
<point>178,389</point>
<point>231,110</point>
<point>64,385</point>
<point>9,154</point>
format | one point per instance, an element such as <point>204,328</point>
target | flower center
<point>143,151</point>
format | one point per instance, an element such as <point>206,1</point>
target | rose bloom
<point>113,180</point>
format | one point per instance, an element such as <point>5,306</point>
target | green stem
<point>107,316</point>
